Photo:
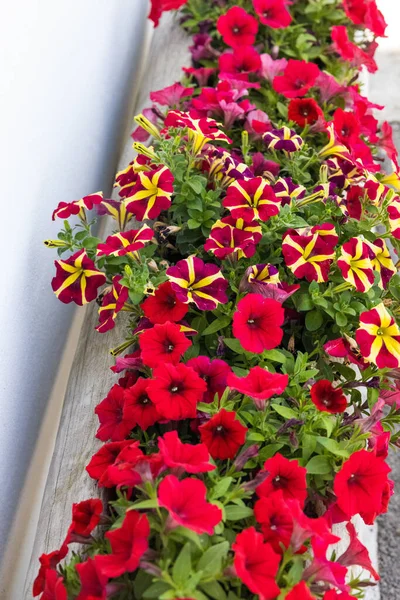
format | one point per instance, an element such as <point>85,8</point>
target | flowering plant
<point>253,255</point>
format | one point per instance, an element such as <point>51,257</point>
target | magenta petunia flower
<point>257,323</point>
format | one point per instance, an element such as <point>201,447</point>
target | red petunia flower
<point>186,503</point>
<point>112,303</point>
<point>356,553</point>
<point>259,384</point>
<point>114,425</point>
<point>191,458</point>
<point>54,588</point>
<point>48,562</point>
<point>327,398</point>
<point>237,27</point>
<point>360,483</point>
<point>151,193</point>
<point>123,472</point>
<point>93,583</point>
<point>163,344</point>
<point>304,111</point>
<point>86,516</point>
<point>201,283</point>
<point>256,323</point>
<point>160,6</point>
<point>285,475</point>
<point>171,95</point>
<point>128,543</point>
<point>347,127</point>
<point>350,51</point>
<point>240,62</point>
<point>138,406</point>
<point>256,564</point>
<point>366,12</point>
<point>176,390</point>
<point>77,279</point>
<point>298,77</point>
<point>251,199</point>
<point>300,592</point>
<point>213,372</point>
<point>275,519</point>
<point>102,459</point>
<point>65,210</point>
<point>223,434</point>
<point>164,305</point>
<point>273,13</point>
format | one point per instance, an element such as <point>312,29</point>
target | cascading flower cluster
<point>253,266</point>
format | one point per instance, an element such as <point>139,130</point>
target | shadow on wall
<point>65,94</point>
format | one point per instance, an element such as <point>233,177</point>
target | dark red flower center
<point>144,400</point>
<point>279,481</point>
<point>169,346</point>
<point>170,301</point>
<point>252,322</point>
<point>299,83</point>
<point>220,430</point>
<point>175,387</point>
<point>236,29</point>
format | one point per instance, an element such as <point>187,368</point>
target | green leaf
<point>314,320</point>
<point>332,446</point>
<point>192,224</point>
<point>217,325</point>
<point>214,590</point>
<point>303,302</point>
<point>319,465</point>
<point>327,423</point>
<point>236,513</point>
<point>145,504</point>
<point>182,566</point>
<point>197,183</point>
<point>341,319</point>
<point>284,411</point>
<point>211,561</point>
<point>221,487</point>
<point>235,345</point>
<point>188,534</point>
<point>275,356</point>
<point>156,589</point>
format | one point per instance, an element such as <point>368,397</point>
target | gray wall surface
<point>67,70</point>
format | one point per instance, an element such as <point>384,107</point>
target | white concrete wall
<point>66,74</point>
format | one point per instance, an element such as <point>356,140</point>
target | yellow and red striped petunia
<point>200,130</point>
<point>307,254</point>
<point>394,217</point>
<point>383,262</point>
<point>355,263</point>
<point>77,279</point>
<point>128,242</point>
<point>251,199</point>
<point>378,338</point>
<point>113,302</point>
<point>151,194</point>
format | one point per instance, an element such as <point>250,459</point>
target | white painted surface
<point>67,69</point>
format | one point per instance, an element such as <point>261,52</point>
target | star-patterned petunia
<point>394,217</point>
<point>66,209</point>
<point>383,262</point>
<point>200,130</point>
<point>307,254</point>
<point>112,303</point>
<point>355,263</point>
<point>77,279</point>
<point>151,193</point>
<point>128,242</point>
<point>195,281</point>
<point>250,199</point>
<point>379,338</point>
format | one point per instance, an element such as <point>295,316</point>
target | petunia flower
<point>355,263</point>
<point>393,210</point>
<point>200,130</point>
<point>117,210</point>
<point>327,398</point>
<point>48,562</point>
<point>257,323</point>
<point>237,27</point>
<point>164,306</point>
<point>304,111</point>
<point>226,239</point>
<point>360,483</point>
<point>259,384</point>
<point>128,544</point>
<point>250,199</point>
<point>325,570</point>
<point>195,281</point>
<point>189,458</point>
<point>383,263</point>
<point>54,588</point>
<point>284,139</point>
<point>124,472</point>
<point>213,372</point>
<point>114,425</point>
<point>379,338</point>
<point>273,13</point>
<point>138,406</point>
<point>285,475</point>
<point>271,68</point>
<point>187,506</point>
<point>159,6</point>
<point>298,77</point>
<point>240,63</point>
<point>307,254</point>
<point>163,344</point>
<point>356,553</point>
<point>275,519</point>
<point>102,459</point>
<point>256,564</point>
<point>176,390</point>
<point>171,95</point>
<point>86,516</point>
<point>151,194</point>
<point>350,51</point>
<point>77,279</point>
<point>127,242</point>
<point>287,191</point>
<point>93,583</point>
<point>111,304</point>
<point>65,210</point>
<point>300,592</point>
<point>346,348</point>
<point>223,434</point>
